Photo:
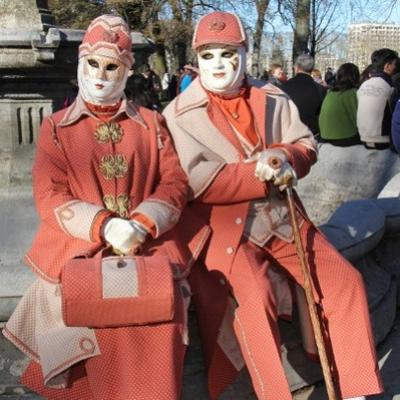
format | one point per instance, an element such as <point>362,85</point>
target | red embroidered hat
<point>108,35</point>
<point>219,27</point>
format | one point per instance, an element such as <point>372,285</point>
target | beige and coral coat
<point>236,205</point>
<point>213,154</point>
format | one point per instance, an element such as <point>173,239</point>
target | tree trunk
<point>180,42</point>
<point>160,64</point>
<point>261,10</point>
<point>313,29</point>
<point>302,28</point>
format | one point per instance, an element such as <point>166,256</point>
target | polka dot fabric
<point>136,363</point>
<point>339,288</point>
<point>67,167</point>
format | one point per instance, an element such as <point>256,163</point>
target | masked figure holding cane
<point>241,143</point>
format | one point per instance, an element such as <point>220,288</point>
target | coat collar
<point>193,97</point>
<point>78,109</point>
<point>384,76</point>
<point>196,96</point>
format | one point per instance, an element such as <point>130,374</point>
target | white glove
<point>273,166</point>
<point>124,236</point>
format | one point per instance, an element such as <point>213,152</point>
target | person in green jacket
<point>338,116</point>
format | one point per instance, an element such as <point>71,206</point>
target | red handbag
<point>117,291</point>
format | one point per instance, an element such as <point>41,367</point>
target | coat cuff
<point>80,219</point>
<point>281,146</point>
<point>98,224</point>
<point>162,214</point>
<point>146,222</point>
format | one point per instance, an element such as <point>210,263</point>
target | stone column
<point>38,61</point>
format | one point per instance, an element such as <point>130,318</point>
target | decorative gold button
<point>238,221</point>
<point>235,115</point>
<point>113,166</point>
<point>120,205</point>
<point>107,131</point>
<point>120,166</point>
<point>230,250</point>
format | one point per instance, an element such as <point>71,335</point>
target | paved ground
<point>194,382</point>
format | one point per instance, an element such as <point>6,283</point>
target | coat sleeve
<point>237,182</point>
<point>396,127</point>
<point>55,203</point>
<point>165,204</point>
<point>234,183</point>
<point>211,178</point>
<point>293,137</point>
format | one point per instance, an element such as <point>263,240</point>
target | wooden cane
<point>312,308</point>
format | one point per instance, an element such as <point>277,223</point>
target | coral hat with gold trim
<point>219,28</point>
<point>109,36</point>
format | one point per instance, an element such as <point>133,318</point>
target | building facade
<point>364,38</point>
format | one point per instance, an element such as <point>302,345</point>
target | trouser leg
<point>257,331</point>
<point>340,290</point>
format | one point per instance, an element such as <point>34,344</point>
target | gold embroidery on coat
<point>119,205</point>
<point>114,166</point>
<point>107,131</point>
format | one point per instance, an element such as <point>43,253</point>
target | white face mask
<point>101,79</point>
<point>222,68</point>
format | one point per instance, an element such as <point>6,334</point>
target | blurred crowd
<point>343,107</point>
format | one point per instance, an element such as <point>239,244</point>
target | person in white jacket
<point>374,111</point>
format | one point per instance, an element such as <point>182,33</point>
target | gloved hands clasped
<point>273,166</point>
<point>124,236</point>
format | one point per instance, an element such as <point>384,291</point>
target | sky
<point>348,11</point>
<point>375,12</point>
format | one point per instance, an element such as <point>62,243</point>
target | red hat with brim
<point>219,28</point>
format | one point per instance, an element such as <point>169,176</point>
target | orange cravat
<point>238,113</point>
<point>104,113</point>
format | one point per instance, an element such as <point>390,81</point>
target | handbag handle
<point>116,252</point>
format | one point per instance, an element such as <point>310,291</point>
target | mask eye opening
<point>93,63</point>
<point>112,67</point>
<point>206,55</point>
<point>228,54</point>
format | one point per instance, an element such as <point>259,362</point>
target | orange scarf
<point>238,113</point>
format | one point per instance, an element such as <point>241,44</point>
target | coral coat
<point>85,170</point>
<point>78,174</point>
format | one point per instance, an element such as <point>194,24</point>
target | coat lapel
<point>207,134</point>
<point>192,106</point>
<point>257,101</point>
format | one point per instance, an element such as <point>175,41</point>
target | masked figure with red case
<point>105,173</point>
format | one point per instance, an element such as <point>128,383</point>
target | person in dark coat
<point>305,92</point>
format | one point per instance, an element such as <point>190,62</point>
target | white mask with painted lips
<point>222,68</point>
<point>101,80</point>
